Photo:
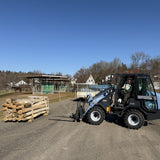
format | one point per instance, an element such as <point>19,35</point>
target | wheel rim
<point>133,119</point>
<point>95,116</point>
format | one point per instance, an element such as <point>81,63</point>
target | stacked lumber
<point>25,109</point>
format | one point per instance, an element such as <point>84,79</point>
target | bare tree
<point>155,65</point>
<point>100,70</point>
<point>140,59</point>
<point>82,75</point>
<point>58,74</point>
<point>36,72</point>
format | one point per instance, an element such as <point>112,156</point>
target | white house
<point>107,78</point>
<point>10,84</point>
<point>21,83</point>
<point>90,80</point>
<point>73,81</point>
<point>156,82</point>
<point>156,85</point>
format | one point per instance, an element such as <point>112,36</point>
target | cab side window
<point>142,87</point>
<point>145,87</point>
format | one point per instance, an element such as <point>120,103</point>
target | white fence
<point>84,89</point>
<point>156,85</point>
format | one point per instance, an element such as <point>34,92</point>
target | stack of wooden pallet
<point>25,109</point>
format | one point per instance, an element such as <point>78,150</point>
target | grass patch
<point>57,97</point>
<point>4,93</point>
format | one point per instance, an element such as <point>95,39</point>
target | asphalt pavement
<point>57,137</point>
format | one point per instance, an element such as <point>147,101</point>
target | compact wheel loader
<point>141,102</point>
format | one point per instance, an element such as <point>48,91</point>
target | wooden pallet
<point>25,109</point>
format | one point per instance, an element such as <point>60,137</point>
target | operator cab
<point>141,92</point>
<point>146,93</point>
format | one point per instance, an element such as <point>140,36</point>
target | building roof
<point>50,76</point>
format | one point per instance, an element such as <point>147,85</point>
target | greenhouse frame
<point>48,84</point>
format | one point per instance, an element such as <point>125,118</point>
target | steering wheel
<point>122,91</point>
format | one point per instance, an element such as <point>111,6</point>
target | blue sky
<point>65,35</point>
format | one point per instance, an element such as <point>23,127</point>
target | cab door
<point>147,94</point>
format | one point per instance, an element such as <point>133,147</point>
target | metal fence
<point>84,89</point>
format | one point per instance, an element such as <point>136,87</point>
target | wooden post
<point>77,87</point>
<point>59,96</point>
<point>41,87</point>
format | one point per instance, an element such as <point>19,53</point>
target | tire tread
<point>89,120</point>
<point>142,119</point>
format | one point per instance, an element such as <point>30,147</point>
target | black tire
<point>95,115</point>
<point>133,119</point>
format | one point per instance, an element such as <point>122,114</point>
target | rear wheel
<point>95,115</point>
<point>134,119</point>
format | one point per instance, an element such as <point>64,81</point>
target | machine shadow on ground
<point>61,119</point>
<point>109,118</point>
<point>119,121</point>
<point>115,119</point>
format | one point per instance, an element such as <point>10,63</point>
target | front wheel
<point>134,119</point>
<point>95,115</point>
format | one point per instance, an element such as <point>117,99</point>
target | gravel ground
<point>56,137</point>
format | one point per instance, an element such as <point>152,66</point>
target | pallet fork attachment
<point>80,110</point>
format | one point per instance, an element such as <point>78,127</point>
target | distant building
<point>156,82</point>
<point>10,84</point>
<point>20,83</point>
<point>73,81</point>
<point>48,83</point>
<point>84,88</point>
<point>108,78</point>
<point>156,85</point>
<point>90,80</point>
<point>19,86</point>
